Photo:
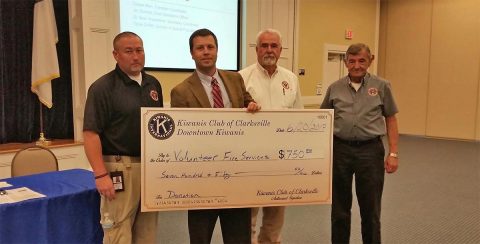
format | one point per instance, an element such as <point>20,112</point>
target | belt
<point>119,158</point>
<point>357,143</point>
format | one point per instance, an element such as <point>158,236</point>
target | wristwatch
<point>394,155</point>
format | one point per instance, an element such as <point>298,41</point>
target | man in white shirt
<point>272,87</point>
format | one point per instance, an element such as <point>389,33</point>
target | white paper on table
<point>18,195</point>
<point>4,184</point>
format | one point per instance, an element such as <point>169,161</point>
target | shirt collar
<point>206,79</point>
<point>264,71</point>
<point>127,79</point>
<point>364,79</point>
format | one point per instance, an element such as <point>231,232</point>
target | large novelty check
<point>228,158</point>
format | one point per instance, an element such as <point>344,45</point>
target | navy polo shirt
<point>113,107</point>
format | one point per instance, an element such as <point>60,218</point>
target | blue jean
<point>366,162</point>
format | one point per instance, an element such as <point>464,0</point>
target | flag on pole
<point>44,51</point>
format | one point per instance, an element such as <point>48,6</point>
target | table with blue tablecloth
<point>68,214</point>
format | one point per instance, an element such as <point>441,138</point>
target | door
<point>333,67</point>
<point>276,14</point>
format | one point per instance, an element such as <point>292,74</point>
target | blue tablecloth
<point>69,214</point>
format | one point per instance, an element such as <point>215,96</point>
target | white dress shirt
<point>281,90</point>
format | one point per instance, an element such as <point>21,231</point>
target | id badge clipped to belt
<point>117,179</point>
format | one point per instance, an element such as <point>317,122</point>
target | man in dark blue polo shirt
<point>111,132</point>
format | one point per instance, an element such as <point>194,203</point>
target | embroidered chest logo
<point>154,95</point>
<point>372,91</point>
<point>161,126</point>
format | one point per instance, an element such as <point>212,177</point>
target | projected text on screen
<point>166,25</point>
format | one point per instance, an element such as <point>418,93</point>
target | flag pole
<point>42,141</point>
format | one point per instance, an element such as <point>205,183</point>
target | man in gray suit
<point>209,87</point>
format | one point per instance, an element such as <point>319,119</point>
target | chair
<point>33,160</point>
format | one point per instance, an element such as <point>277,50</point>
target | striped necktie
<point>216,94</point>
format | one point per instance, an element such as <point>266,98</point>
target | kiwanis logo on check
<point>161,126</point>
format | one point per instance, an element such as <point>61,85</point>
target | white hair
<point>269,30</point>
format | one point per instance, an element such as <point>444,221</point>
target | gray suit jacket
<point>191,94</point>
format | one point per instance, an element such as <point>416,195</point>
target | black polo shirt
<point>113,107</point>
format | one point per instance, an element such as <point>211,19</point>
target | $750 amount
<point>293,153</point>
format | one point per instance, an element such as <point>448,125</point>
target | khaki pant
<point>272,223</point>
<point>130,225</point>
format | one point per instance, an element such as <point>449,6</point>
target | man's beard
<point>269,60</point>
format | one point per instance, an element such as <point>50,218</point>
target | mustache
<point>269,58</point>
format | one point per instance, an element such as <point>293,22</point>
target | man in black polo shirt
<point>364,112</point>
<point>111,132</point>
